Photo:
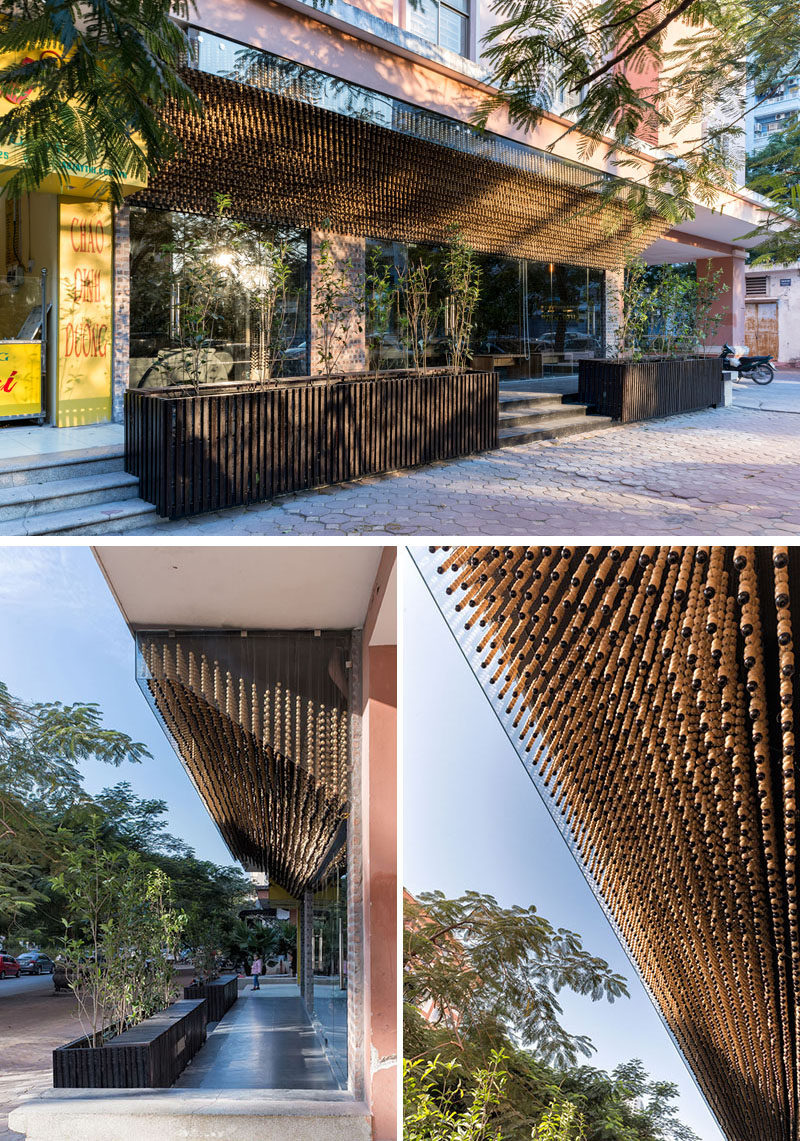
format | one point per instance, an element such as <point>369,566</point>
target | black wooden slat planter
<point>152,1054</point>
<point>236,444</point>
<point>220,995</point>
<point>643,390</point>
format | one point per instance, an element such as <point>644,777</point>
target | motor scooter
<point>754,368</point>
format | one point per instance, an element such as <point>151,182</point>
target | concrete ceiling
<point>241,587</point>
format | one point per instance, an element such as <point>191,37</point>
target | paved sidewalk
<point>265,1041</point>
<point>721,472</point>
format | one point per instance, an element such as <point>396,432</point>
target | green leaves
<point>99,102</point>
<point>486,969</point>
<point>438,1107</point>
<point>484,1047</point>
<point>617,69</point>
<point>462,283</point>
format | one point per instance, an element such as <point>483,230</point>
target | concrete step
<point>54,467</point>
<point>553,430</point>
<point>112,517</point>
<point>520,417</point>
<point>513,399</point>
<point>34,499</point>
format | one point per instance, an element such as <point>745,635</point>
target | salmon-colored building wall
<point>379,807</point>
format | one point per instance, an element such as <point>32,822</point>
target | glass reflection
<point>330,963</point>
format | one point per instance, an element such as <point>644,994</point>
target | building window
<point>239,292</point>
<point>446,24</point>
<point>756,287</point>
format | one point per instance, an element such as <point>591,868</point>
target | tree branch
<point>634,47</point>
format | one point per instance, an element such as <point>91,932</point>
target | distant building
<point>772,303</point>
<point>772,114</point>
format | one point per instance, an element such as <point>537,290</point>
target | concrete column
<point>121,346</point>
<point>344,248</point>
<point>307,950</point>
<point>615,282</point>
<point>731,305</point>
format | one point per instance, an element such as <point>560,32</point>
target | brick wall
<point>354,356</point>
<point>120,358</point>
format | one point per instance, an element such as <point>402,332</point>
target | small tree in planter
<point>119,922</point>
<point>672,311</point>
<point>338,305</point>
<point>263,270</point>
<point>708,290</point>
<point>462,281</point>
<point>418,322</point>
<point>634,305</point>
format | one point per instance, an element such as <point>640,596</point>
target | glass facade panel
<point>552,309</point>
<point>330,963</point>
<point>565,309</point>
<point>214,300</point>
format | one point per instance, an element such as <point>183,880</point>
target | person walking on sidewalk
<point>255,971</point>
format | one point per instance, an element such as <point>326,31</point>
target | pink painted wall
<point>380,867</point>
<point>731,305</point>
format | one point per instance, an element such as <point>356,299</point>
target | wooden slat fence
<point>226,446</point>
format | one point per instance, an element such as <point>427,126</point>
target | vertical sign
<point>84,312</point>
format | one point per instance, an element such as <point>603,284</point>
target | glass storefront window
<point>215,300</point>
<point>524,306</point>
<point>330,963</point>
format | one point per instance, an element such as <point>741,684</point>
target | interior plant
<point>418,320</point>
<point>337,305</point>
<point>461,274</point>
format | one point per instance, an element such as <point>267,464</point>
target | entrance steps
<point>526,416</point>
<point>83,492</point>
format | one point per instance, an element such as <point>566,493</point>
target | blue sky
<point>473,820</point>
<point>62,638</point>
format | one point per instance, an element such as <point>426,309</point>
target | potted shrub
<point>659,365</point>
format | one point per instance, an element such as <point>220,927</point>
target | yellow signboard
<point>85,268</point>
<point>20,379</point>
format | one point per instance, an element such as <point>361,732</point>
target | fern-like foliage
<point>88,80</point>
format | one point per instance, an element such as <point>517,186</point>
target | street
<point>783,395</point>
<point>33,1020</point>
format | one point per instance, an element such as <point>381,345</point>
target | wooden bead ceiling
<point>262,726</point>
<point>650,692</point>
<point>290,162</point>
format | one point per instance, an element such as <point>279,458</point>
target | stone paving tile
<point>722,472</point>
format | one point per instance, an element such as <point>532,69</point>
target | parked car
<point>9,967</point>
<point>35,963</point>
